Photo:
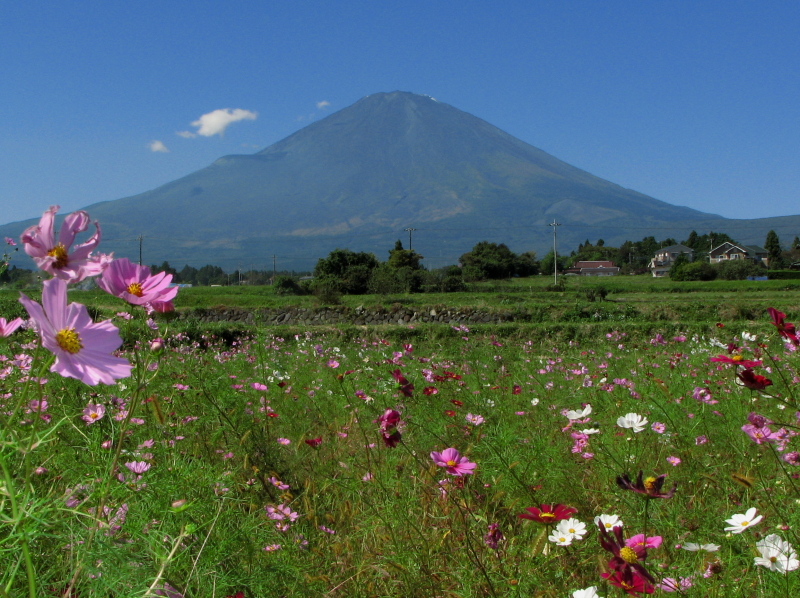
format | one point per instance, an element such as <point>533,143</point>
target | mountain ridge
<point>361,175</point>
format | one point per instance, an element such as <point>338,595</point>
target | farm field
<point>420,460</point>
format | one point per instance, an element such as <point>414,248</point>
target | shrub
<point>286,285</point>
<point>739,269</point>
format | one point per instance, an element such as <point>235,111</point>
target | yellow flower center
<point>135,289</point>
<point>628,555</point>
<point>737,358</point>
<point>773,559</point>
<point>745,523</point>
<point>60,253</point>
<point>547,516</point>
<point>624,586</point>
<point>650,485</point>
<point>451,463</point>
<point>69,340</point>
<point>571,530</point>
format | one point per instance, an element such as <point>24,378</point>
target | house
<point>662,260</point>
<point>729,251</point>
<point>593,268</point>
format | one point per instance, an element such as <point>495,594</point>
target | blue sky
<point>694,103</point>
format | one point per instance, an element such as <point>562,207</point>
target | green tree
<point>346,271</point>
<point>187,276</point>
<point>404,258</point>
<point>488,260</point>
<point>678,265</point>
<point>773,247</point>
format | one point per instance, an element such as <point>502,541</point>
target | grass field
<point>312,462</point>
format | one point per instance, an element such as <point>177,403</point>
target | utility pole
<point>710,244</point>
<point>140,249</point>
<point>555,224</point>
<point>409,230</point>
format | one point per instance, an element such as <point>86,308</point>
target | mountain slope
<point>360,176</point>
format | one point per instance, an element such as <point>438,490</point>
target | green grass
<point>398,532</point>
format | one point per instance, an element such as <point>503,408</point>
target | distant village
<point>699,257</point>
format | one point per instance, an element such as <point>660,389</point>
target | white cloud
<point>157,146</point>
<point>323,104</point>
<point>215,123</point>
<point>185,134</point>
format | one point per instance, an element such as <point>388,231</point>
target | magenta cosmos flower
<point>135,284</point>
<point>54,256</point>
<point>453,462</point>
<point>82,348</point>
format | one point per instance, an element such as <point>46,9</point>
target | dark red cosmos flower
<point>737,360</point>
<point>753,381</point>
<point>405,386</point>
<point>236,595</point>
<point>429,390</point>
<point>627,559</point>
<point>457,403</point>
<point>548,513</point>
<point>632,584</point>
<point>516,389</point>
<point>785,329</point>
<point>650,487</point>
<point>389,422</point>
<point>451,375</point>
<point>313,442</point>
<point>450,413</point>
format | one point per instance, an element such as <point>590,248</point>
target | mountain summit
<point>360,176</point>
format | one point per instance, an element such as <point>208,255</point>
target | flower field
<point>137,460</point>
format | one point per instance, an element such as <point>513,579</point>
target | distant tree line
<point>354,273</point>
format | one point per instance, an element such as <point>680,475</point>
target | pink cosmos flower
<point>54,257</point>
<point>92,413</point>
<point>135,284</point>
<point>453,462</point>
<point>671,584</point>
<point>82,348</point>
<point>138,467</point>
<point>8,328</point>
<point>10,241</point>
<point>674,461</point>
<point>639,541</point>
<point>737,360</point>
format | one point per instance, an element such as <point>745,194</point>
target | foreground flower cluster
<point>84,350</point>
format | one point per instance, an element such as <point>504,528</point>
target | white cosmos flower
<point>588,431</point>
<point>694,547</point>
<point>579,414</point>
<point>776,554</point>
<point>634,421</point>
<point>738,523</point>
<point>609,521</point>
<point>560,539</point>
<point>587,593</point>
<point>573,527</point>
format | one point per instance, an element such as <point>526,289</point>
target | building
<point>595,268</point>
<point>729,251</point>
<point>664,257</point>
